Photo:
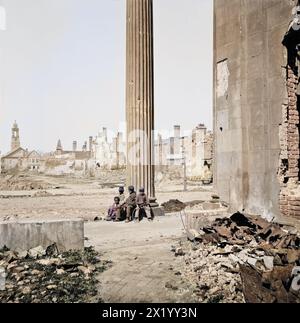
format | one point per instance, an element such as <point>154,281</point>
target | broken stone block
<point>243,256</point>
<point>157,211</point>
<point>193,235</point>
<point>49,262</point>
<point>22,254</point>
<point>253,244</point>
<point>252,261</point>
<point>25,235</point>
<point>37,252</point>
<point>269,262</point>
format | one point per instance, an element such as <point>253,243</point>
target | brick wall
<point>293,126</point>
<point>289,200</point>
<point>290,205</point>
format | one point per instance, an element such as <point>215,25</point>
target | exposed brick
<point>294,214</point>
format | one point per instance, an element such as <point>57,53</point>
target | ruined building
<point>256,105</point>
<point>201,154</point>
<point>19,158</point>
<point>194,149</point>
<point>15,137</point>
<point>68,162</point>
<point>109,155</point>
<point>83,154</point>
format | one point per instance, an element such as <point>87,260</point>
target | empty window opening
<point>291,167</point>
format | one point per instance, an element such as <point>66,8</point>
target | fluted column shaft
<point>140,95</point>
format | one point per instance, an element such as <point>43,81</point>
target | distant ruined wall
<point>250,102</point>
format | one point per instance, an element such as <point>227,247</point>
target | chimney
<point>177,132</point>
<point>84,147</point>
<point>105,134</point>
<point>74,145</point>
<point>90,144</point>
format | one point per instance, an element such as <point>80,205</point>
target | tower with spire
<point>59,148</point>
<point>15,138</point>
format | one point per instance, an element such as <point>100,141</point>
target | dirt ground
<point>143,267</point>
<point>79,198</point>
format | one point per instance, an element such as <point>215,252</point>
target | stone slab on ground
<point>25,235</point>
<point>158,211</point>
<point>196,219</point>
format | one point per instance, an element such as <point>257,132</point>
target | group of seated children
<point>132,208</point>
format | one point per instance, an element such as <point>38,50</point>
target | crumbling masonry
<point>256,111</point>
<point>289,135</point>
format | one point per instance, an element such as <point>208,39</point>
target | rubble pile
<point>215,278</point>
<point>246,256</point>
<point>46,276</point>
<point>243,229</point>
<point>212,205</point>
<point>22,183</point>
<point>173,206</point>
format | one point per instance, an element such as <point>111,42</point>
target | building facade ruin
<point>18,158</point>
<point>256,106</point>
<point>195,149</point>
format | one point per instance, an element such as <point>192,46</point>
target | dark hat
<point>142,190</point>
<point>131,188</point>
<point>121,189</point>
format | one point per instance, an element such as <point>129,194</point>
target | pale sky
<point>62,68</point>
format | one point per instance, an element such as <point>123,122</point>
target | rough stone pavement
<point>143,267</point>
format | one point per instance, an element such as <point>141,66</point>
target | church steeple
<point>15,138</point>
<point>59,148</point>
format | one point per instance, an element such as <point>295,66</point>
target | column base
<point>157,210</point>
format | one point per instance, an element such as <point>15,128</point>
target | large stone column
<point>140,95</point>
